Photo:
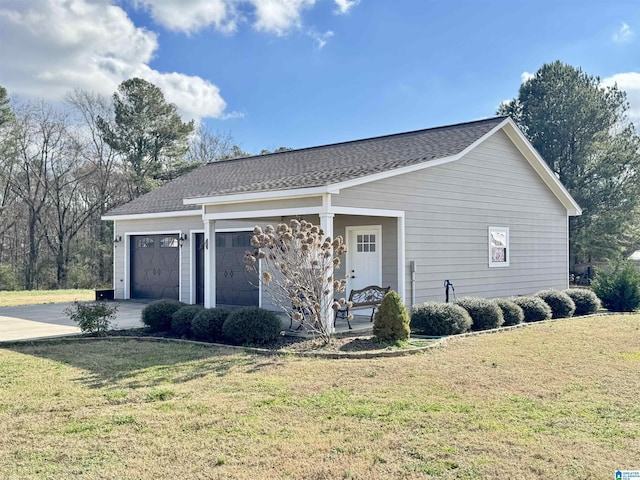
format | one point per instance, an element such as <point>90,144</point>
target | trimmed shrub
<point>439,319</point>
<point>619,286</point>
<point>561,304</point>
<point>251,325</point>
<point>157,315</point>
<point>181,319</point>
<point>485,314</point>
<point>207,324</point>
<point>93,318</point>
<point>392,320</point>
<point>585,300</point>
<point>534,308</point>
<point>512,313</point>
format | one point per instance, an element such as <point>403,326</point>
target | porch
<point>361,325</point>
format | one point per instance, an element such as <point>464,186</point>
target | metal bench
<point>367,297</point>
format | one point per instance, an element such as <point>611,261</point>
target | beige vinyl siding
<point>448,210</point>
<point>279,204</point>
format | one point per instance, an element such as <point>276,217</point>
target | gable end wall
<point>449,209</point>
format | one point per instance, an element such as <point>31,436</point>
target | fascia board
<point>260,196</point>
<point>147,216</point>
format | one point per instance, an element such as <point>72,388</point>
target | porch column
<point>326,223</point>
<point>209,263</point>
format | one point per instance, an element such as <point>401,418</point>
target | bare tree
<point>38,133</point>
<point>207,147</point>
<point>298,265</point>
<point>103,184</point>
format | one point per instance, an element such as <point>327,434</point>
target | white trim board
<point>147,216</point>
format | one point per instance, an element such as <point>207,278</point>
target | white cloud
<point>279,16</point>
<point>192,15</point>
<point>93,45</point>
<point>525,76</point>
<point>630,83</point>
<point>623,34</point>
<point>270,16</point>
<point>345,5</point>
<point>320,38</point>
<point>60,45</point>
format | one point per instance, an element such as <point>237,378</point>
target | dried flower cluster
<point>297,264</point>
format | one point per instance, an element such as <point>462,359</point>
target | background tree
<point>103,184</point>
<point>148,133</point>
<point>39,141</point>
<point>581,130</point>
<point>207,147</point>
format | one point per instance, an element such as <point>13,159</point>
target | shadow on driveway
<point>30,322</point>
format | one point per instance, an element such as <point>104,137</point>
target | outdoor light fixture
<point>117,239</point>
<point>183,238</point>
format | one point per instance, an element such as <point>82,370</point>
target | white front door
<point>364,256</point>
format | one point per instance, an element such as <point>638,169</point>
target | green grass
<point>35,297</point>
<point>556,400</point>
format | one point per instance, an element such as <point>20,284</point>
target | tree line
<point>63,167</point>
<point>582,130</point>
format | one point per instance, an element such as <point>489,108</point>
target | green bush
<point>439,319</point>
<point>618,286</point>
<point>512,313</point>
<point>534,308</point>
<point>158,315</point>
<point>585,300</point>
<point>8,278</point>
<point>207,324</point>
<point>392,320</point>
<point>485,314</point>
<point>181,319</point>
<point>251,325</point>
<point>561,304</point>
<point>94,318</point>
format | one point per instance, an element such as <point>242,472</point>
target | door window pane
<point>365,243</point>
<point>168,242</point>
<point>144,242</point>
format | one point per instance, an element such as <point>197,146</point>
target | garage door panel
<point>234,285</point>
<point>155,266</point>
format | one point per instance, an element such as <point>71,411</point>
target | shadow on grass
<point>131,363</point>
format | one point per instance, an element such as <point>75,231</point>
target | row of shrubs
<point>248,325</point>
<point>438,319</point>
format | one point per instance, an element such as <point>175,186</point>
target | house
<point>472,203</point>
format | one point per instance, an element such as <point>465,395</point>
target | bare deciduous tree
<point>298,264</point>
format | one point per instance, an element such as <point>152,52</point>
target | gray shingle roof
<point>310,167</point>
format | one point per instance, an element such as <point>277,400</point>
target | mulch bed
<point>342,343</point>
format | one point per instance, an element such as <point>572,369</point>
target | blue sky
<point>300,73</point>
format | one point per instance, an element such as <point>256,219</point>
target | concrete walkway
<point>30,322</point>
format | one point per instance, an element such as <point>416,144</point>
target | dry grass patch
<point>37,297</point>
<point>557,400</point>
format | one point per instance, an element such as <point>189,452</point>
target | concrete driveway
<point>31,322</point>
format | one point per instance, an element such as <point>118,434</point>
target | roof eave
<point>261,196</point>
<point>147,216</point>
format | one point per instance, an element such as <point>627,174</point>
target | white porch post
<point>326,224</point>
<point>209,263</point>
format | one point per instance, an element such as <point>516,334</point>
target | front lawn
<point>36,297</point>
<point>554,400</point>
